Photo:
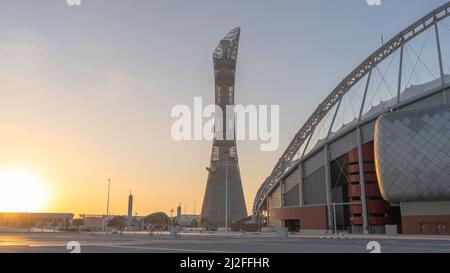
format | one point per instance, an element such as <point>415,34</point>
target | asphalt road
<point>89,243</point>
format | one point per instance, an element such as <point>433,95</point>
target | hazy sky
<point>86,92</point>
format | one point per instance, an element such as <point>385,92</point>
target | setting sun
<point>21,191</point>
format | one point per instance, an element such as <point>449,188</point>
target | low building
<point>92,222</point>
<point>47,221</point>
<point>188,219</point>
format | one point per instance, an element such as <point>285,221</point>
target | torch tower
<point>224,201</point>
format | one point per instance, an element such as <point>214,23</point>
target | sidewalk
<point>373,237</point>
<point>291,235</point>
<point>328,236</point>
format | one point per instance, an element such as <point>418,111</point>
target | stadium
<point>374,157</point>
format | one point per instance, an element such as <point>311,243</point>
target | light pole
<point>107,205</point>
<point>226,193</point>
<point>334,219</point>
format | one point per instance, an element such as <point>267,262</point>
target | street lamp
<point>226,193</point>
<point>107,206</point>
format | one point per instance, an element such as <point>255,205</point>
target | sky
<point>86,91</point>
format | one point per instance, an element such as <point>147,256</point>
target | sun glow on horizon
<point>22,191</point>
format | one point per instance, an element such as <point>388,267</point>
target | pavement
<point>216,243</point>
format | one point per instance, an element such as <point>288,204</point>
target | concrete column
<point>400,70</point>
<point>441,67</point>
<point>300,185</point>
<point>328,187</point>
<point>362,182</point>
<point>282,199</point>
<point>363,102</point>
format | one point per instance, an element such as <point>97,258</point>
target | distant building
<point>187,219</point>
<point>130,208</point>
<point>179,213</point>
<point>52,221</point>
<point>94,222</point>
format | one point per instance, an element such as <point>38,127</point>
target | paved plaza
<point>209,243</point>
